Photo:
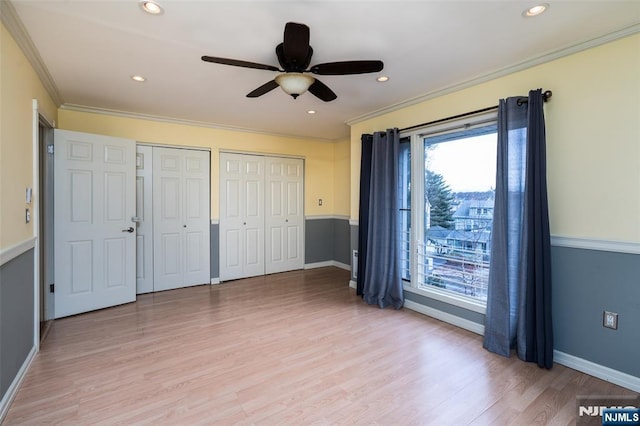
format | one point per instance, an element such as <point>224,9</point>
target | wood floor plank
<point>292,348</point>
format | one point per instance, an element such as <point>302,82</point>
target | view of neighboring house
<point>458,259</point>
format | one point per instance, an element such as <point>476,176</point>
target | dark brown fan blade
<point>296,46</point>
<point>347,67</point>
<point>237,63</point>
<point>320,90</point>
<point>267,87</point>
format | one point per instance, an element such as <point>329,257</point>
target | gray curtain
<point>519,295</point>
<point>379,276</point>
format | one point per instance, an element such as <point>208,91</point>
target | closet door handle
<point>129,230</point>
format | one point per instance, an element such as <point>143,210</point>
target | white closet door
<point>196,217</point>
<point>167,215</point>
<point>181,218</point>
<point>284,218</point>
<point>241,216</point>
<point>94,187</point>
<point>253,216</point>
<point>144,215</point>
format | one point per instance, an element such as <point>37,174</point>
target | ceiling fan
<point>294,55</point>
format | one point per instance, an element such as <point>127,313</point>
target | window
<point>447,190</point>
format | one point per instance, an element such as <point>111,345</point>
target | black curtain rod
<point>545,96</point>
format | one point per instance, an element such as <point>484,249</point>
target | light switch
<point>27,216</point>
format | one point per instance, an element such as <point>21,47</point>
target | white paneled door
<point>261,215</point>
<point>94,202</point>
<point>284,218</point>
<point>144,219</point>
<point>241,216</point>
<point>180,218</point>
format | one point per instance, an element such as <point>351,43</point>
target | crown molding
<point>548,57</point>
<point>16,28</point>
<point>181,121</point>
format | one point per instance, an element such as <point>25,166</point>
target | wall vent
<point>354,264</point>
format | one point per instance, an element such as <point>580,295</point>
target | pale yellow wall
<point>593,136</point>
<point>318,155</point>
<point>341,189</point>
<point>19,85</point>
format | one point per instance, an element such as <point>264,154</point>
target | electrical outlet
<point>319,201</point>
<point>610,320</point>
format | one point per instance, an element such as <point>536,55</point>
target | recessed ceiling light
<point>311,111</point>
<point>138,78</point>
<point>535,10</point>
<point>151,7</point>
<point>382,79</point>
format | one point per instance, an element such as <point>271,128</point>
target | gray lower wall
<point>326,240</point>
<point>341,241</point>
<point>585,283</point>
<point>16,316</point>
<point>445,307</point>
<point>318,240</point>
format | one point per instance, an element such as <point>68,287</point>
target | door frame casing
<point>38,118</point>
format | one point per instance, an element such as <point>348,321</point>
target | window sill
<point>460,301</point>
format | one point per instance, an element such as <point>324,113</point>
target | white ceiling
<point>92,47</point>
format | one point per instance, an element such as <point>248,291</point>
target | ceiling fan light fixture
<point>294,83</point>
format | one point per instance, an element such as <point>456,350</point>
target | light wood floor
<point>293,348</point>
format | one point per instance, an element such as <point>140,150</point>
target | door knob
<point>129,230</point>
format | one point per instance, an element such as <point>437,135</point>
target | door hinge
<point>50,149</point>
<point>52,288</point>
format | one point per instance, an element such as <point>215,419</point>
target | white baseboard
<point>215,281</point>
<point>446,317</point>
<point>591,368</point>
<point>353,284</point>
<point>15,385</point>
<point>327,263</point>
<point>596,370</point>
<point>342,265</point>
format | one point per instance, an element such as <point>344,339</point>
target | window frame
<point>417,154</point>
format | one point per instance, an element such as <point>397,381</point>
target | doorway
<point>45,224</point>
